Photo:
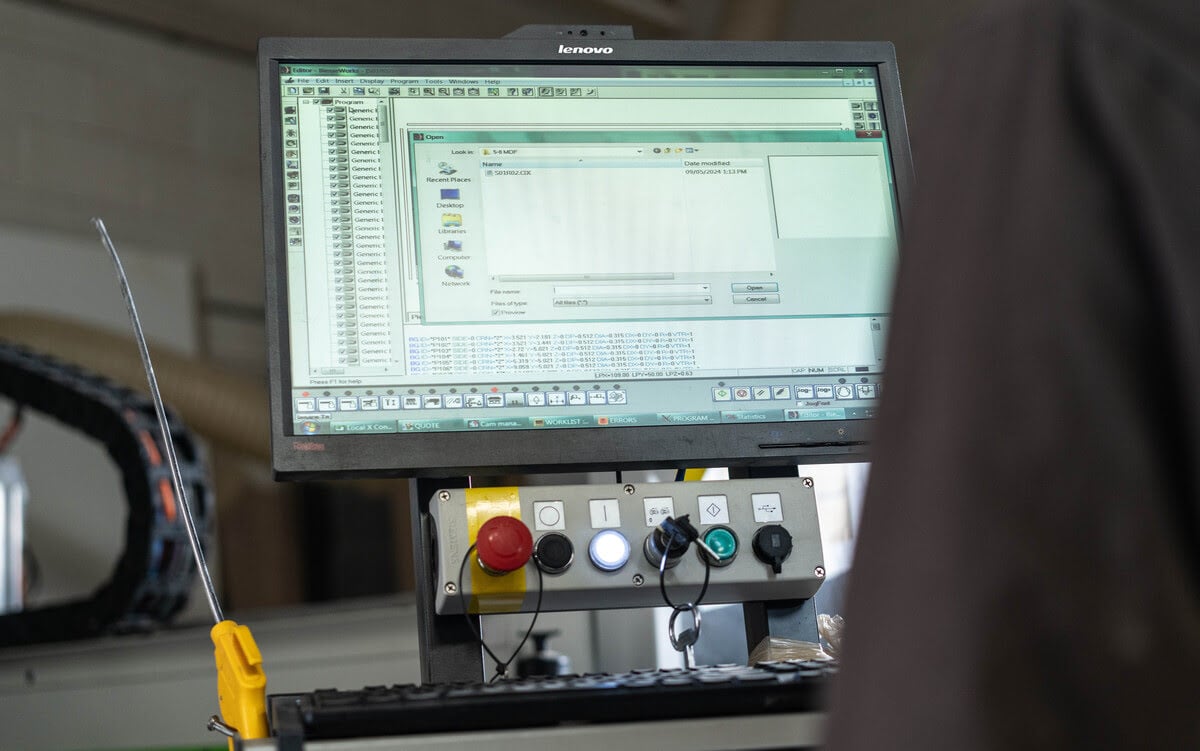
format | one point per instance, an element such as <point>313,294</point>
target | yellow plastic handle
<point>241,682</point>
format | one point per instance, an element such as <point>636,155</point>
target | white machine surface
<point>156,691</point>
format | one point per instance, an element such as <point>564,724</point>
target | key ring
<point>676,644</point>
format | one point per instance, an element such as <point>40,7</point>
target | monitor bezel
<point>450,454</point>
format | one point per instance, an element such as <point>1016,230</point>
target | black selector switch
<point>554,553</point>
<point>772,545</point>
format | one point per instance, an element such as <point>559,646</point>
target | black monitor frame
<point>560,450</point>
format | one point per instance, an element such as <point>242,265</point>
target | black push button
<point>554,553</point>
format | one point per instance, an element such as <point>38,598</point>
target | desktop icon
<point>450,194</point>
<point>455,245</point>
<point>455,272</point>
<point>451,220</point>
<point>444,168</point>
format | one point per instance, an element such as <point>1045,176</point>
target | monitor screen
<point>531,256</point>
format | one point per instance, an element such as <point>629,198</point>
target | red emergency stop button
<point>504,544</point>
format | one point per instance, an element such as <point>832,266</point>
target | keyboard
<point>638,695</point>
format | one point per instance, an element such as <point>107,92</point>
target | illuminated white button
<point>327,404</point>
<point>390,402</point>
<point>306,405</point>
<point>609,550</point>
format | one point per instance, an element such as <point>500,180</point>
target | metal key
<point>685,641</point>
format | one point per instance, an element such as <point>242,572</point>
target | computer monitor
<point>529,255</point>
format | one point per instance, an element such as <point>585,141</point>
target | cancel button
<point>764,299</point>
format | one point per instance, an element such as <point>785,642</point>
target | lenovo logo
<point>565,50</point>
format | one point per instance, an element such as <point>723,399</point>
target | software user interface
<point>523,247</point>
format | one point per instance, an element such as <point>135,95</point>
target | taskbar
<point>332,426</point>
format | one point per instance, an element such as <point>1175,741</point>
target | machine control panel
<point>601,546</point>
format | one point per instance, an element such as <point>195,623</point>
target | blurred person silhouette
<point>1028,569</point>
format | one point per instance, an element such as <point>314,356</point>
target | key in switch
<point>772,545</point>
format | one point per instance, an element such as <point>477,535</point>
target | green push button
<point>723,542</point>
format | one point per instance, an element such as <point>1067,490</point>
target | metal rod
<point>215,725</point>
<point>180,493</point>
